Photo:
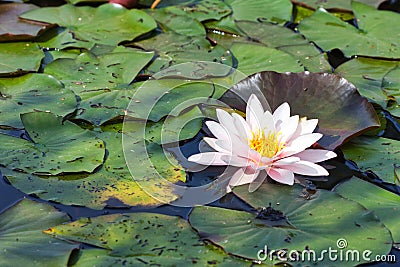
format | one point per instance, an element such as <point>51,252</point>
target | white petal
<point>254,112</point>
<point>208,158</point>
<point>299,144</point>
<point>240,178</point>
<point>281,113</point>
<point>267,122</point>
<point>305,168</point>
<point>226,120</point>
<point>238,148</point>
<point>288,127</point>
<point>236,161</point>
<point>288,160</point>
<point>212,142</point>
<point>242,127</point>
<point>217,130</point>
<point>281,175</point>
<point>316,155</point>
<point>304,127</point>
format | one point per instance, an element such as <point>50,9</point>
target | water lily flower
<point>264,144</point>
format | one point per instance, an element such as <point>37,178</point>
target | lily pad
<point>254,10</point>
<point>368,74</point>
<point>382,202</point>
<point>172,49</point>
<point>335,4</point>
<point>341,112</point>
<point>112,185</point>
<point>16,58</point>
<point>178,23</point>
<point>141,239</point>
<point>254,58</point>
<point>372,37</point>
<point>22,241</point>
<point>377,154</point>
<point>56,147</point>
<point>288,220</point>
<point>13,29</point>
<point>33,92</point>
<point>287,41</point>
<point>101,82</point>
<point>107,24</point>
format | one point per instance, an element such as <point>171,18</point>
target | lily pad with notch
<point>287,219</point>
<point>19,58</point>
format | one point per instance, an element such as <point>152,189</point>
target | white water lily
<point>264,144</point>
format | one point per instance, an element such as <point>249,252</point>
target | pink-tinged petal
<point>299,144</point>
<point>304,127</point>
<point>316,155</point>
<point>242,127</point>
<point>281,114</point>
<point>236,161</point>
<point>305,168</point>
<point>217,130</point>
<point>254,185</point>
<point>240,178</point>
<point>282,176</point>
<point>238,148</point>
<point>288,128</point>
<point>254,112</point>
<point>208,158</point>
<point>212,142</point>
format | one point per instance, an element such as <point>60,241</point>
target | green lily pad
<point>254,10</point>
<point>113,184</point>
<point>335,4</point>
<point>13,29</point>
<point>254,58</point>
<point>101,82</point>
<point>391,86</point>
<point>107,24</point>
<point>16,58</point>
<point>368,74</point>
<point>33,92</point>
<point>201,10</point>
<point>56,147</point>
<point>174,129</point>
<point>178,23</point>
<point>377,154</point>
<point>141,239</point>
<point>341,112</point>
<point>372,38</point>
<point>172,49</point>
<point>382,202</point>
<point>293,222</point>
<point>60,38</point>
<point>287,41</point>
<point>22,241</point>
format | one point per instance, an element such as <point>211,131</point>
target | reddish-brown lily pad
<point>14,29</point>
<point>342,112</point>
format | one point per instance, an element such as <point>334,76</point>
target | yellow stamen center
<point>267,145</point>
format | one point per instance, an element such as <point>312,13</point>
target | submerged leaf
<point>341,112</point>
<point>377,154</point>
<point>22,241</point>
<point>33,92</point>
<point>384,204</point>
<point>56,147</point>
<point>289,220</point>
